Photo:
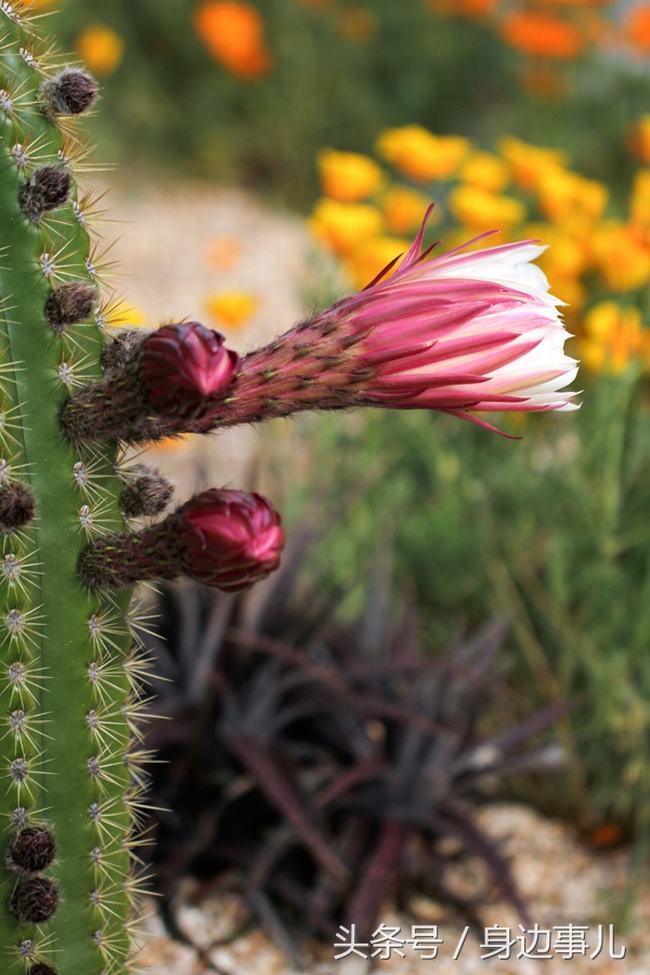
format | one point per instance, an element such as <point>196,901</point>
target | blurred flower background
<point>275,154</point>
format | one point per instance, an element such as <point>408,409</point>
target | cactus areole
<point>70,663</point>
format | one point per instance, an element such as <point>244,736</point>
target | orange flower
<point>542,35</point>
<point>348,176</point>
<point>372,256</point>
<point>357,24</point>
<point>544,81</point>
<point>475,9</point>
<point>101,48</point>
<point>529,163</point>
<point>638,139</point>
<point>638,27</point>
<point>614,337</point>
<point>404,209</point>
<point>224,253</point>
<point>420,154</point>
<point>232,309</point>
<point>233,32</point>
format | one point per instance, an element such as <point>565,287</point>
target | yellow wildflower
<point>101,48</point>
<point>232,309</point>
<point>569,290</point>
<point>172,443</point>
<point>529,163</point>
<point>420,154</point>
<point>565,257</point>
<point>404,209</point>
<point>563,194</point>
<point>487,171</point>
<point>348,176</point>
<point>372,256</point>
<point>480,210</point>
<point>123,315</point>
<point>620,256</point>
<point>343,226</point>
<point>613,337</point>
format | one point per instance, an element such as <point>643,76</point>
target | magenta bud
<point>230,539</point>
<point>226,539</point>
<point>182,366</point>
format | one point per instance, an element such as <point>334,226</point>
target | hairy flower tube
<point>224,538</point>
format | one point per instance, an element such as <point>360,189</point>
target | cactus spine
<point>68,673</point>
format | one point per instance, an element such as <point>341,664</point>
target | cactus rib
<point>66,664</point>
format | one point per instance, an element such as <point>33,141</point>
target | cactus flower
<point>465,333</point>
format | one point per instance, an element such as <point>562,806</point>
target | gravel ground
<point>562,881</point>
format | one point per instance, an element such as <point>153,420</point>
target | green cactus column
<point>67,674</point>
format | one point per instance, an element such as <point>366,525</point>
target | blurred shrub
<point>553,532</point>
<point>250,91</point>
<point>321,769</point>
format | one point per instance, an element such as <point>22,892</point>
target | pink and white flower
<point>464,333</point>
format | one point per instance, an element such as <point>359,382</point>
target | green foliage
<point>553,531</point>
<point>182,109</point>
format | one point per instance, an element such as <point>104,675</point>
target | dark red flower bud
<point>40,968</point>
<point>182,366</point>
<point>70,92</point>
<point>35,900</point>
<point>32,849</point>
<point>46,190</point>
<point>230,539</point>
<point>146,493</point>
<point>17,506</point>
<point>70,303</point>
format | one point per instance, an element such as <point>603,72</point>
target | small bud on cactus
<point>121,350</point>
<point>147,493</point>
<point>16,506</point>
<point>179,374</point>
<point>223,538</point>
<point>181,366</point>
<point>34,901</point>
<point>70,304</point>
<point>71,92</point>
<point>32,849</point>
<point>230,539</point>
<point>40,968</point>
<point>46,190</point>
